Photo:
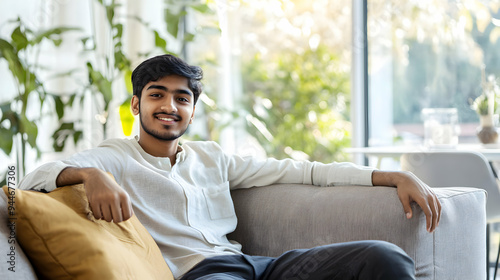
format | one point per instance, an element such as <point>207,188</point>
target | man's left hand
<point>412,189</point>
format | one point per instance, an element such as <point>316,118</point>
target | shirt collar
<point>179,156</point>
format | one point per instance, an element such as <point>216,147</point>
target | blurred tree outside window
<point>295,67</point>
<point>290,65</point>
<point>428,54</point>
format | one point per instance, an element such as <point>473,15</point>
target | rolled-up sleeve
<point>341,173</point>
<point>44,178</point>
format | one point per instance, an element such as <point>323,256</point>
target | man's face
<point>166,108</point>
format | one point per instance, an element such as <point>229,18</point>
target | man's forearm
<point>388,178</point>
<point>74,175</point>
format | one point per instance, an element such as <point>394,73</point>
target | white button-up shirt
<point>187,208</point>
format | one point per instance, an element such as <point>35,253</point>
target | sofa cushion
<point>15,264</point>
<point>60,236</point>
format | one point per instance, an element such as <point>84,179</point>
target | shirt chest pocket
<point>219,202</point>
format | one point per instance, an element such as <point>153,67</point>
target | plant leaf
<point>59,106</point>
<point>172,20</point>
<point>71,100</point>
<point>30,129</point>
<point>110,13</point>
<point>119,31</point>
<point>51,34</point>
<point>6,136</point>
<point>121,61</point>
<point>4,108</point>
<point>160,42</point>
<point>77,136</point>
<point>188,37</point>
<point>61,135</point>
<point>13,117</point>
<point>86,42</point>
<point>102,84</point>
<point>57,42</point>
<point>202,8</point>
<point>16,67</point>
<point>19,39</point>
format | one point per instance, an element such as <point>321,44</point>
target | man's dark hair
<point>160,66</point>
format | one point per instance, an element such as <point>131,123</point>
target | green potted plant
<point>486,106</point>
<point>21,51</point>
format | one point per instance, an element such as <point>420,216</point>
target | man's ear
<point>134,105</point>
<point>192,115</point>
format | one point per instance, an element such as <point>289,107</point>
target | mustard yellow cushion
<point>63,241</point>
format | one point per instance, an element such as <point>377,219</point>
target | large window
<point>428,54</point>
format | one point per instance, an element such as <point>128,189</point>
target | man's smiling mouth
<point>167,117</point>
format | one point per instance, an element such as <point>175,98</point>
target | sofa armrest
<point>15,264</point>
<point>278,218</point>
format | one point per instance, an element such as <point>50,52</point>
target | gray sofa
<point>277,218</point>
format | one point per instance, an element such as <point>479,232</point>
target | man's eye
<point>182,99</point>
<point>155,95</point>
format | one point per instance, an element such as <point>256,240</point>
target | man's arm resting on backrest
<point>106,198</point>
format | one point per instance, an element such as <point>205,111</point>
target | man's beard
<point>166,136</point>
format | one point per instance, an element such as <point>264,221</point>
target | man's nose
<point>168,105</point>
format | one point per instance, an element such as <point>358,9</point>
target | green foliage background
<point>303,99</point>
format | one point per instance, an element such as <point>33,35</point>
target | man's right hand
<point>108,201</point>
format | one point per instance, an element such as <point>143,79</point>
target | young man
<point>181,194</point>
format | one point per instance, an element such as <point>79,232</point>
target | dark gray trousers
<point>367,260</point>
